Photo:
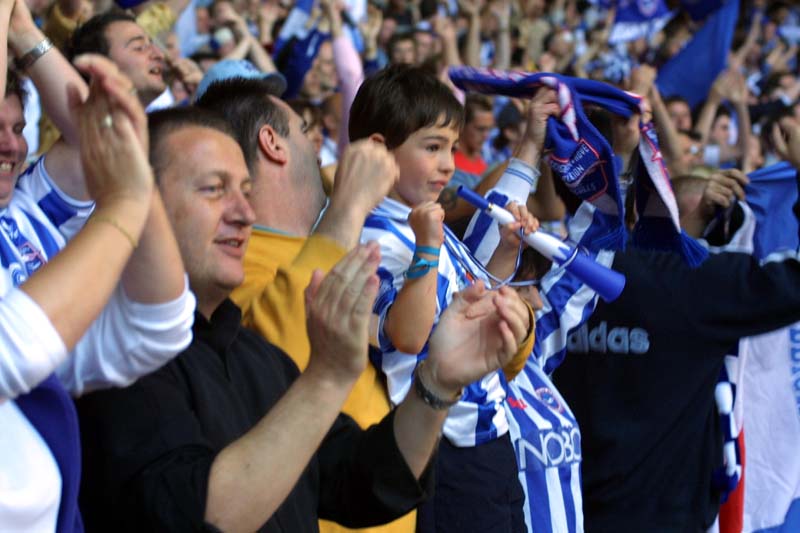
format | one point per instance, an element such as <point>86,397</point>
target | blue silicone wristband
<point>426,250</point>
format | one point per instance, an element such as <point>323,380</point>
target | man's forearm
<point>51,74</point>
<point>252,477</point>
<point>342,223</point>
<point>417,428</point>
<point>155,271</point>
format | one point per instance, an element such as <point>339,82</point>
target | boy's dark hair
<point>90,36</point>
<point>14,87</point>
<point>399,100</point>
<point>162,123</point>
<point>246,106</point>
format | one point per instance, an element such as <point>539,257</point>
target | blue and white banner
<point>771,380</point>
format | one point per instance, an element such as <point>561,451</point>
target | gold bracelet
<point>111,221</point>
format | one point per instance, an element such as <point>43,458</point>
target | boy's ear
<point>378,138</point>
<point>272,145</point>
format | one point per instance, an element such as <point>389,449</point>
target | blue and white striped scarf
<point>578,153</point>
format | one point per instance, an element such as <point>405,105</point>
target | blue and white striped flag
<point>771,380</point>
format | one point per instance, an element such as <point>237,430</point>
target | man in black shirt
<point>230,435</point>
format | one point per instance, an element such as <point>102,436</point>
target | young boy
<point>422,265</point>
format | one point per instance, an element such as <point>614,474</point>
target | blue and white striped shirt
<point>544,433</point>
<point>479,416</point>
<point>36,225</point>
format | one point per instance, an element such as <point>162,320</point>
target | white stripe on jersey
<point>558,514</point>
<point>547,442</point>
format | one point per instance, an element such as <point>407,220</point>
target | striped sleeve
<point>66,214</point>
<point>516,183</point>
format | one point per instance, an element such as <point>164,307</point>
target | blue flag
<point>691,71</point>
<point>771,195</point>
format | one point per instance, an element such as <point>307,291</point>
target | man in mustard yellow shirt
<point>297,230</point>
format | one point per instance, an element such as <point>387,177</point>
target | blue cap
<point>240,68</point>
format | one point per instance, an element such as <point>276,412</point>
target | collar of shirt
<point>221,330</point>
<point>286,233</point>
<point>392,209</point>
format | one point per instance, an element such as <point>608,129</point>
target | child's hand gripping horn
<point>608,283</point>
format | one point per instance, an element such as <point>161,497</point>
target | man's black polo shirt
<point>148,448</point>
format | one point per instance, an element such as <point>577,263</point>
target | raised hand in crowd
<point>722,189</point>
<point>370,30</point>
<point>503,261</point>
<point>700,200</point>
<point>113,129</point>
<point>478,333</point>
<point>364,176</point>
<point>247,46</point>
<point>332,11</point>
<point>6,8</point>
<point>188,73</point>
<point>119,179</point>
<point>643,79</point>
<point>501,9</point>
<point>472,10</point>
<point>786,140</point>
<point>543,105</point>
<point>266,16</point>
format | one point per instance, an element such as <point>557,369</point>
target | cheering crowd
<point>241,291</point>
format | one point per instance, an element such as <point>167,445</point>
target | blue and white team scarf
<point>583,158</point>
